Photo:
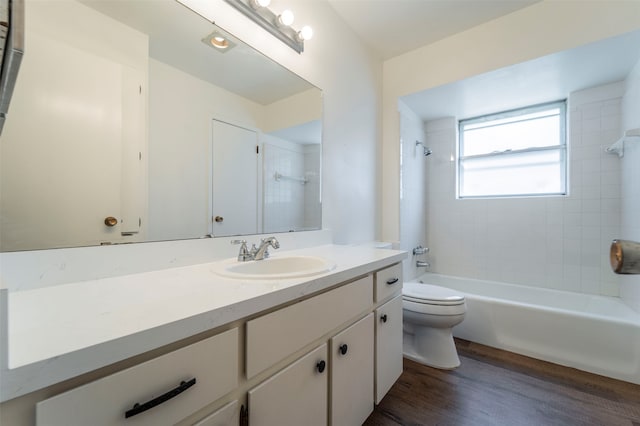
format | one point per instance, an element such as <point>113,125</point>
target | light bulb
<point>286,18</point>
<point>305,33</point>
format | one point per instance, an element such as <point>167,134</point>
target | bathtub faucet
<point>422,264</point>
<point>420,250</point>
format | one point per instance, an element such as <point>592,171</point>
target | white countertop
<point>59,332</point>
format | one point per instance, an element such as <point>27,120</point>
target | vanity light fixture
<point>260,3</point>
<point>279,25</point>
<point>218,41</point>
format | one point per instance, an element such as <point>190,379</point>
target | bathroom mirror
<point>128,125</point>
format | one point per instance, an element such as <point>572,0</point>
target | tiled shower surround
<point>557,242</point>
<point>289,204</point>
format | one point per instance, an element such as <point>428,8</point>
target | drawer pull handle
<point>141,408</point>
<point>321,366</point>
<point>391,281</point>
<point>343,349</point>
<point>383,318</point>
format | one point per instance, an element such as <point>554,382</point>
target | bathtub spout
<point>422,264</point>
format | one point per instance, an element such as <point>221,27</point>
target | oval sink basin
<point>277,268</point>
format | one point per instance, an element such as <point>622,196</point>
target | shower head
<point>426,151</point>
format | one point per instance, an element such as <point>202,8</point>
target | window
<point>514,153</point>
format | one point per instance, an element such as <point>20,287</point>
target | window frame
<point>560,148</point>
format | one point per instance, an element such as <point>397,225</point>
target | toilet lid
<point>431,294</point>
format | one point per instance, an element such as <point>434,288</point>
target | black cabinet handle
<point>141,408</point>
<point>343,349</point>
<point>321,366</point>
<point>391,281</point>
<point>383,318</point>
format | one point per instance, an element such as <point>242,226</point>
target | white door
<point>234,196</point>
<point>295,396</point>
<point>352,374</point>
<point>62,148</point>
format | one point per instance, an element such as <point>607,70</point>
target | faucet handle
<point>243,254</point>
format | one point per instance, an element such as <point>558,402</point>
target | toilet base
<point>431,346</point>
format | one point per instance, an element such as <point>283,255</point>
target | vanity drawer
<point>273,337</point>
<point>388,282</point>
<point>182,381</point>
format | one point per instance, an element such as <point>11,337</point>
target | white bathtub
<point>591,333</point>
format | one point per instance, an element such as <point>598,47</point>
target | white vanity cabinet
<point>325,358</point>
<point>358,359</point>
<point>163,390</point>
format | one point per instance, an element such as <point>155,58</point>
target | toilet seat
<point>432,300</point>
<point>431,294</point>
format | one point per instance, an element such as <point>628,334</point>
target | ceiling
<point>175,37</point>
<point>393,27</point>
<point>544,79</point>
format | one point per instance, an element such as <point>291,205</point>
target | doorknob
<point>110,221</point>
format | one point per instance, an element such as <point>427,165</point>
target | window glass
<point>514,153</point>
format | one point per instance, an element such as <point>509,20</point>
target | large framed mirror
<point>128,124</point>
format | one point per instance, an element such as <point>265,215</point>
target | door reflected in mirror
<point>126,110</point>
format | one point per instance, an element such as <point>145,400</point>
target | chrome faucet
<point>256,253</point>
<point>263,250</point>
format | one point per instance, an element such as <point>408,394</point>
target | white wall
<point>630,182</point>
<point>349,74</point>
<point>508,40</point>
<point>413,197</point>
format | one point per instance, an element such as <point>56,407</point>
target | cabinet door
<point>227,415</point>
<point>388,346</point>
<point>296,395</point>
<point>352,373</point>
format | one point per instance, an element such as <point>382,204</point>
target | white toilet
<point>429,313</point>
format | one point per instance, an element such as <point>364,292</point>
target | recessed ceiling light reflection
<point>218,41</point>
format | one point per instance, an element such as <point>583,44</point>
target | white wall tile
<point>555,242</point>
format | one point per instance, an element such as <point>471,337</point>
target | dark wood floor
<point>494,387</point>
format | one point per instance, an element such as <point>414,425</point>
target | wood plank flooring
<point>494,387</point>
